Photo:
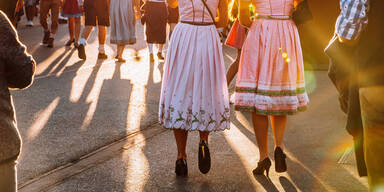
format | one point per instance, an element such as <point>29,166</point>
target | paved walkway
<point>92,126</point>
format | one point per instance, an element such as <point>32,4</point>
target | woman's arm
<point>222,19</point>
<point>244,14</point>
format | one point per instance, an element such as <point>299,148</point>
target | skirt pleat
<point>271,73</point>
<point>194,93</point>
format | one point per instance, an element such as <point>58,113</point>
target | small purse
<point>302,13</point>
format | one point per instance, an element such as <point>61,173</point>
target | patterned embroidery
<point>225,116</point>
<point>180,117</point>
<point>188,118</point>
<point>195,118</point>
<point>211,121</point>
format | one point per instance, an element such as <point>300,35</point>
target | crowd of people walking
<point>194,93</point>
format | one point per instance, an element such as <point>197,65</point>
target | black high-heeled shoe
<point>204,158</point>
<point>181,168</point>
<point>261,166</point>
<point>280,164</point>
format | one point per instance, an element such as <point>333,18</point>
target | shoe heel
<point>262,166</point>
<point>267,171</point>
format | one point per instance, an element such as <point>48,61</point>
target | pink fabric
<point>194,93</point>
<point>194,10</point>
<point>271,73</point>
<point>236,36</point>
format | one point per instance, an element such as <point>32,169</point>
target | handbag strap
<point>209,11</point>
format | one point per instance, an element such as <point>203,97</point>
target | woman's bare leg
<point>278,123</point>
<point>71,27</point>
<point>260,125</point>
<point>77,29</point>
<point>204,136</point>
<point>120,50</point>
<point>181,137</point>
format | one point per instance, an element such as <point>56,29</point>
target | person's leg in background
<point>83,41</point>
<point>77,30</point>
<point>44,10</point>
<point>150,51</point>
<point>103,21</point>
<point>8,179</point>
<point>102,39</point>
<point>71,30</point>
<point>90,22</point>
<point>160,51</point>
<point>372,111</point>
<point>30,8</point>
<point>55,10</point>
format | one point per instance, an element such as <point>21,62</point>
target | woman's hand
<point>347,41</point>
<point>244,14</point>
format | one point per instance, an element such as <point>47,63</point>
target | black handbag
<point>340,68</point>
<point>302,13</point>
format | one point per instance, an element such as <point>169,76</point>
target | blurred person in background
<point>30,11</point>
<point>96,13</point>
<point>73,10</point>
<point>154,17</point>
<point>123,21</point>
<point>49,7</point>
<point>359,31</point>
<point>173,19</point>
<point>8,7</point>
<point>16,72</point>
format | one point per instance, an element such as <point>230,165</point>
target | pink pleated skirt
<point>271,73</point>
<point>194,93</point>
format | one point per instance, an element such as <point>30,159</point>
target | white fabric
<point>122,22</point>
<point>194,92</point>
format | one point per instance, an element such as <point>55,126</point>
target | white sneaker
<point>30,23</point>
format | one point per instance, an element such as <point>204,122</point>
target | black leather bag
<point>340,68</point>
<point>302,13</point>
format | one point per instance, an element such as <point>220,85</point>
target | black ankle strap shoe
<point>280,164</point>
<point>181,168</point>
<point>204,158</point>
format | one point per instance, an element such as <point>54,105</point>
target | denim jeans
<point>372,111</point>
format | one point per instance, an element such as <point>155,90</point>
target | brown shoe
<point>81,52</point>
<point>160,56</point>
<point>69,42</point>
<point>50,42</point>
<point>46,37</point>
<point>102,56</point>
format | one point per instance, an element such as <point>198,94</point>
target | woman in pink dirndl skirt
<point>270,80</point>
<point>194,93</point>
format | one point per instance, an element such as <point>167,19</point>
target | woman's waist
<point>272,17</point>
<point>197,23</point>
